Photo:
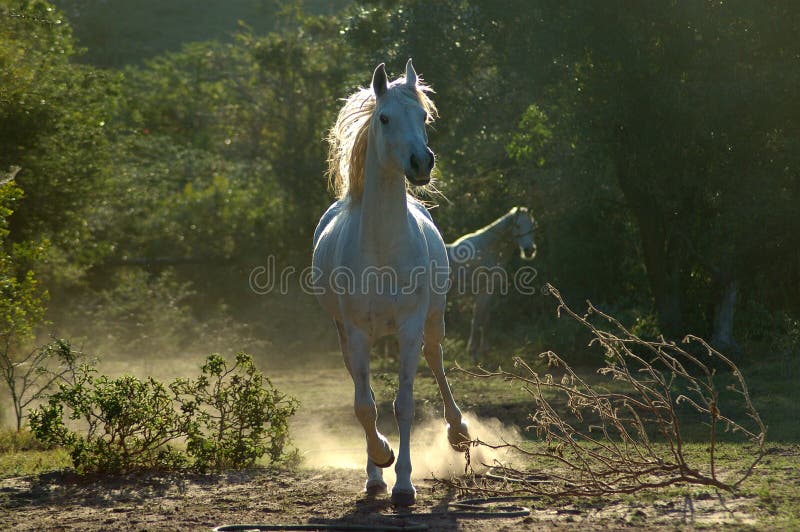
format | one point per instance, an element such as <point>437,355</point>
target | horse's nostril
<point>414,163</point>
<point>431,160</point>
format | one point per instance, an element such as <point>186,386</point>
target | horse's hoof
<point>388,463</point>
<point>375,487</point>
<point>458,436</point>
<point>404,498</point>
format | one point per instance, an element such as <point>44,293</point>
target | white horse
<point>476,260</point>
<point>379,259</point>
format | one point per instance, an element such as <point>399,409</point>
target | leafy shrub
<point>229,417</point>
<point>128,423</point>
<point>15,441</point>
<point>233,414</point>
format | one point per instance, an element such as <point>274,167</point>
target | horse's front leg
<point>379,453</point>
<point>375,483</point>
<point>457,431</point>
<point>409,343</point>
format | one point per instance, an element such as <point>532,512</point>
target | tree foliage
<point>647,137</point>
<point>53,118</point>
<point>656,145</point>
<point>22,306</point>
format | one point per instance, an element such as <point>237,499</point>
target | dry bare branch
<point>623,435</point>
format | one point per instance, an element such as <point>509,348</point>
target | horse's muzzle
<point>529,253</point>
<point>419,169</point>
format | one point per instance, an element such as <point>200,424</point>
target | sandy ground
<point>334,497</point>
<point>328,486</point>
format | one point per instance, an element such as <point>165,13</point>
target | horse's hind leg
<point>457,431</point>
<point>355,349</point>
<point>480,318</point>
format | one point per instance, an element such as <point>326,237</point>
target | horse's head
<point>398,125</point>
<point>523,229</point>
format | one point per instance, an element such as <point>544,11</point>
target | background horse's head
<point>523,229</point>
<point>398,126</point>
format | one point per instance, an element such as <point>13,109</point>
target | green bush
<point>16,441</point>
<point>128,423</point>
<point>233,414</point>
<point>229,417</point>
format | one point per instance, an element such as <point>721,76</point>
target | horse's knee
<point>364,406</point>
<point>433,331</point>
<point>404,405</point>
<point>366,413</point>
<point>403,412</point>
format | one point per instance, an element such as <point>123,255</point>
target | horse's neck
<point>495,237</point>
<point>384,229</point>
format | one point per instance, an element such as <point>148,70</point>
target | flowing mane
<point>347,139</point>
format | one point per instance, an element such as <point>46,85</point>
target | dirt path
<point>327,487</point>
<point>58,502</point>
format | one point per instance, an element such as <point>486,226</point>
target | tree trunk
<point>663,272</point>
<point>661,257</point>
<point>724,309</point>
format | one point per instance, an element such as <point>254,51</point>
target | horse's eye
<point>384,119</point>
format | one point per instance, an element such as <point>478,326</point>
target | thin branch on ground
<point>624,435</point>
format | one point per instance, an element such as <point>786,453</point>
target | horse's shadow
<point>105,491</point>
<point>379,513</point>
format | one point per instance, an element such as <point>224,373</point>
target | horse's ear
<point>411,74</point>
<point>379,81</point>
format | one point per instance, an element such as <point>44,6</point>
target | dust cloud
<point>431,454</point>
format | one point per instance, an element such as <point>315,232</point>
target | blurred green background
<point>163,150</point>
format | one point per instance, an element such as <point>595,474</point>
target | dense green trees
<point>651,137</point>
<point>223,145</point>
<point>53,117</point>
<point>656,143</point>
